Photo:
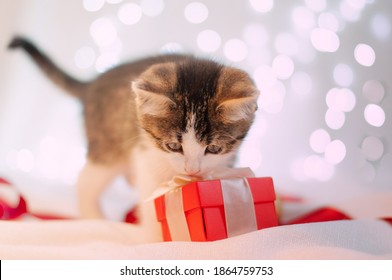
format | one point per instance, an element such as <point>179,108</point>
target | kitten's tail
<point>58,76</point>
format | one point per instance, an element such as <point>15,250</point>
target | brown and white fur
<point>154,118</point>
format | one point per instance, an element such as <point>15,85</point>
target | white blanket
<point>364,237</point>
<point>359,239</point>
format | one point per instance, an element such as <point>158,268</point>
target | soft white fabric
<point>359,239</point>
<point>367,237</point>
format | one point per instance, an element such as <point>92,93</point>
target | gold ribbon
<point>239,207</point>
<point>175,216</point>
<point>237,197</point>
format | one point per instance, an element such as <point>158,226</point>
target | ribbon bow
<point>218,173</point>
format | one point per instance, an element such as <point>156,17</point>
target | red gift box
<point>204,208</point>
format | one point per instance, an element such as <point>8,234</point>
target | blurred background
<point>323,130</point>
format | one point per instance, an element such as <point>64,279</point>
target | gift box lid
<point>203,194</point>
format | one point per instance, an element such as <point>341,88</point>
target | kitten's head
<point>197,111</point>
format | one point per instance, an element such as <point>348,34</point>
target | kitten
<point>154,118</point>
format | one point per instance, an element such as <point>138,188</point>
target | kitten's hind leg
<point>93,179</point>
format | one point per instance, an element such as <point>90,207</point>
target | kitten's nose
<point>192,171</point>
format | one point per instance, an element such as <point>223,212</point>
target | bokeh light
<point>172,47</point>
<point>262,6</point>
<point>235,50</point>
<point>324,40</point>
<point>343,75</point>
<point>343,99</point>
<point>130,13</point>
<point>328,21</point>
<point>319,139</point>
<point>283,66</point>
<point>303,17</point>
<point>152,8</point>
<point>372,148</point>
<point>335,152</point>
<point>351,9</point>
<point>208,40</point>
<point>364,55</point>
<point>196,12</point>
<point>373,91</point>
<point>316,5</point>
<point>309,59</point>
<point>103,32</point>
<point>374,115</point>
<point>93,5</point>
<point>335,119</point>
<point>318,168</point>
<point>381,26</point>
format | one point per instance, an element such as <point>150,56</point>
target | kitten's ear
<point>237,96</point>
<point>153,89</point>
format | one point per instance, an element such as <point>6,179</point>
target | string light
<point>282,64</point>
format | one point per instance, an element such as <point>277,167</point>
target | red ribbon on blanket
<point>3,181</point>
<point>12,212</point>
<point>320,215</point>
<point>8,212</point>
<point>323,214</point>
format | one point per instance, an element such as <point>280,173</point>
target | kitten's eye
<point>213,149</point>
<point>174,147</point>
